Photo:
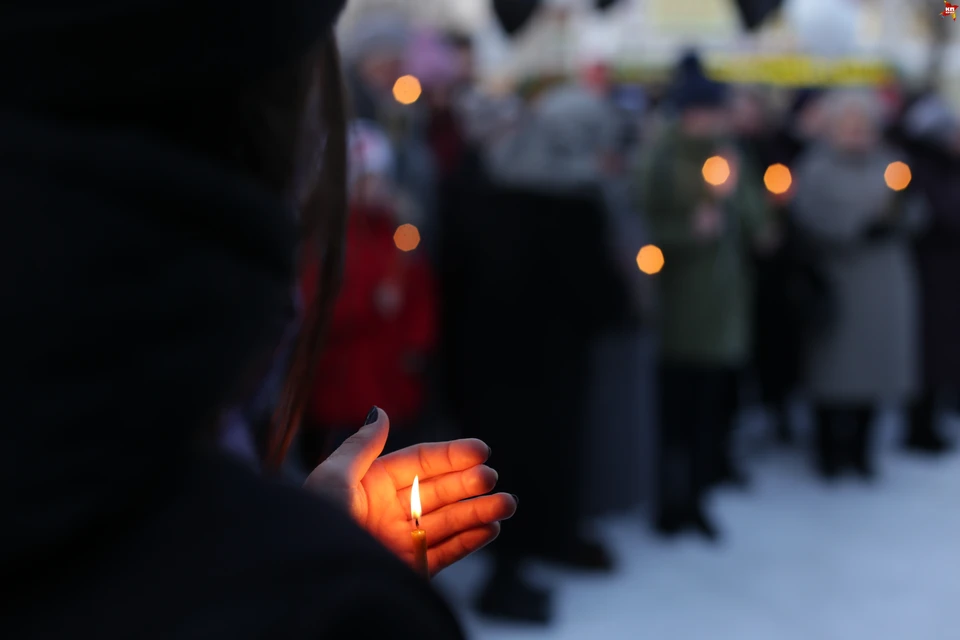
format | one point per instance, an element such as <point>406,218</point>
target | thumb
<point>353,458</point>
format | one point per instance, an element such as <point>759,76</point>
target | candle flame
<point>415,510</point>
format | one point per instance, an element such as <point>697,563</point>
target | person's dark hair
<point>259,133</point>
<point>323,220</point>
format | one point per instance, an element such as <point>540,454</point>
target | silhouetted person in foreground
<point>792,299</point>
<point>159,174</point>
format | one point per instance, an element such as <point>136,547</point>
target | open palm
<point>458,518</point>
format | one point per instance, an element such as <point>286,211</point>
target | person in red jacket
<point>384,325</point>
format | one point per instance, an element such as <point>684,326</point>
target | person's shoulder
<point>292,525</point>
<point>302,554</point>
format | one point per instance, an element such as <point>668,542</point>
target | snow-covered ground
<point>800,561</point>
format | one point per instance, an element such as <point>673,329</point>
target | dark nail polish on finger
<point>516,498</point>
<point>372,416</point>
<point>489,451</point>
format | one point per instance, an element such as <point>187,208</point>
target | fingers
<point>353,458</point>
<point>456,518</point>
<point>436,459</point>
<point>457,548</point>
<point>453,487</point>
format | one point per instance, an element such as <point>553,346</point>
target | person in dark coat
<point>930,133</point>
<point>527,254</point>
<point>706,289</point>
<point>792,301</point>
<point>148,255</point>
<point>775,350</point>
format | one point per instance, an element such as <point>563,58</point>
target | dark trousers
<point>923,413</point>
<point>844,435</point>
<point>534,424</point>
<point>697,408</point>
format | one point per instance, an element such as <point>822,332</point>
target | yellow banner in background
<point>786,71</point>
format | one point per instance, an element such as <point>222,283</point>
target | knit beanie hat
<point>693,89</point>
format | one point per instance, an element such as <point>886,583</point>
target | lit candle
<point>418,535</point>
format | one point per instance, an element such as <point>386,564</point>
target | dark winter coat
<point>144,291</point>
<point>938,260</point>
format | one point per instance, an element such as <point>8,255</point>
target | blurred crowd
<point>776,245</point>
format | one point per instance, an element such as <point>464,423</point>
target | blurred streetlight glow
<point>716,171</point>
<point>777,179</point>
<point>897,176</point>
<point>650,259</point>
<point>407,90</point>
<point>406,237</point>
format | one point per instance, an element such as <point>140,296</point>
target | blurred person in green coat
<point>706,233</point>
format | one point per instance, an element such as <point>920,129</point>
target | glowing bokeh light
<point>897,176</point>
<point>406,237</point>
<point>407,90</point>
<point>777,179</point>
<point>716,170</point>
<point>650,259</point>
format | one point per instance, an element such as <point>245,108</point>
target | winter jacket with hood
<point>143,286</point>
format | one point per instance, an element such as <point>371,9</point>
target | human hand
<point>376,491</point>
<point>781,200</point>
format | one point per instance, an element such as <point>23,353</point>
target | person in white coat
<point>862,229</point>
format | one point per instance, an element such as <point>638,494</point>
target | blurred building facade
<point>648,34</point>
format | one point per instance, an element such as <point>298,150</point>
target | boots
<point>704,526</point>
<point>671,522</point>
<point>578,553</point>
<point>507,596</point>
<point>781,418</point>
<point>827,462</point>
<point>922,434</point>
<point>680,496</point>
<point>731,475</point>
<point>862,453</point>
